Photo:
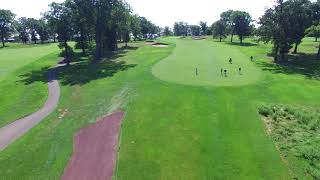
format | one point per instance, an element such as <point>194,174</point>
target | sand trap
<point>150,42</point>
<point>160,45</point>
<point>198,38</point>
<point>95,150</point>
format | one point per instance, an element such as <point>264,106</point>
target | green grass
<point>209,58</point>
<point>18,97</point>
<point>16,56</point>
<point>296,130</point>
<point>171,130</point>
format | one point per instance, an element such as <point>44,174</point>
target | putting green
<point>208,57</point>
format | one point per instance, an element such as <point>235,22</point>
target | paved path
<point>15,130</point>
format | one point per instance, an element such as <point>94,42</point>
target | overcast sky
<point>161,12</point>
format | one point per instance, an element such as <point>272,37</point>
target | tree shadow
<point>82,70</point>
<point>301,63</point>
<point>246,44</point>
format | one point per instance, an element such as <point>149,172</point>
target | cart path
<point>18,128</point>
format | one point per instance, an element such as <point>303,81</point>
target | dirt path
<point>95,150</point>
<point>18,128</point>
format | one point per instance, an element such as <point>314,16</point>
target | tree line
<point>98,23</point>
<point>284,25</point>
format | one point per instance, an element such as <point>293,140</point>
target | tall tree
<point>22,28</point>
<point>167,31</point>
<point>6,20</point>
<point>204,27</point>
<point>299,14</point>
<point>180,29</point>
<point>276,28</point>
<point>135,26</point>
<point>32,26</point>
<point>43,30</point>
<point>195,30</point>
<point>227,18</point>
<point>62,16</point>
<point>242,27</point>
<point>219,30</point>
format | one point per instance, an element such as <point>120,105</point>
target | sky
<point>161,12</point>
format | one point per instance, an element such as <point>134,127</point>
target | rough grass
<point>296,132</point>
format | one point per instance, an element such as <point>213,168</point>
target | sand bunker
<point>160,45</point>
<point>95,150</point>
<point>198,38</point>
<point>150,42</point>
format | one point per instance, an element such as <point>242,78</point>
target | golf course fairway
<point>208,58</point>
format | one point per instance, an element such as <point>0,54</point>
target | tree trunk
<point>241,39</point>
<point>220,38</point>
<point>232,37</point>
<point>295,48</point>
<point>316,39</point>
<point>54,38</point>
<point>66,53</point>
<point>276,51</point>
<point>318,55</point>
<point>282,56</point>
<point>2,38</point>
<point>82,41</point>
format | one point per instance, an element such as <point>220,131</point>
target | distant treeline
<point>101,23</point>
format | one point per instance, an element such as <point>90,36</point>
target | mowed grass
<point>16,56</point>
<point>208,59</point>
<point>171,130</point>
<point>18,97</point>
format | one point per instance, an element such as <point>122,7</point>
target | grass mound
<point>296,132</point>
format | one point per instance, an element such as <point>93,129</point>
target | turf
<point>19,97</point>
<point>295,130</point>
<point>171,130</point>
<point>208,58</point>
<point>16,56</point>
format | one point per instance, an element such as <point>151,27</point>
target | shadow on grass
<point>248,44</point>
<point>82,70</point>
<point>303,64</point>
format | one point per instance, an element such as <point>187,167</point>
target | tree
<point>43,30</point>
<point>147,27</point>
<point>227,18</point>
<point>276,28</point>
<point>6,20</point>
<point>135,26</point>
<point>204,28</point>
<point>123,22</point>
<point>219,30</point>
<point>314,31</point>
<point>22,28</point>
<point>242,27</point>
<point>315,9</point>
<point>32,25</point>
<point>180,29</point>
<point>167,31</point>
<point>195,30</point>
<point>299,14</point>
<point>62,16</point>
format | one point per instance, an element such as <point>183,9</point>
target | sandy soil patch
<point>95,150</point>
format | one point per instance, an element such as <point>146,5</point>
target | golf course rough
<point>208,58</point>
